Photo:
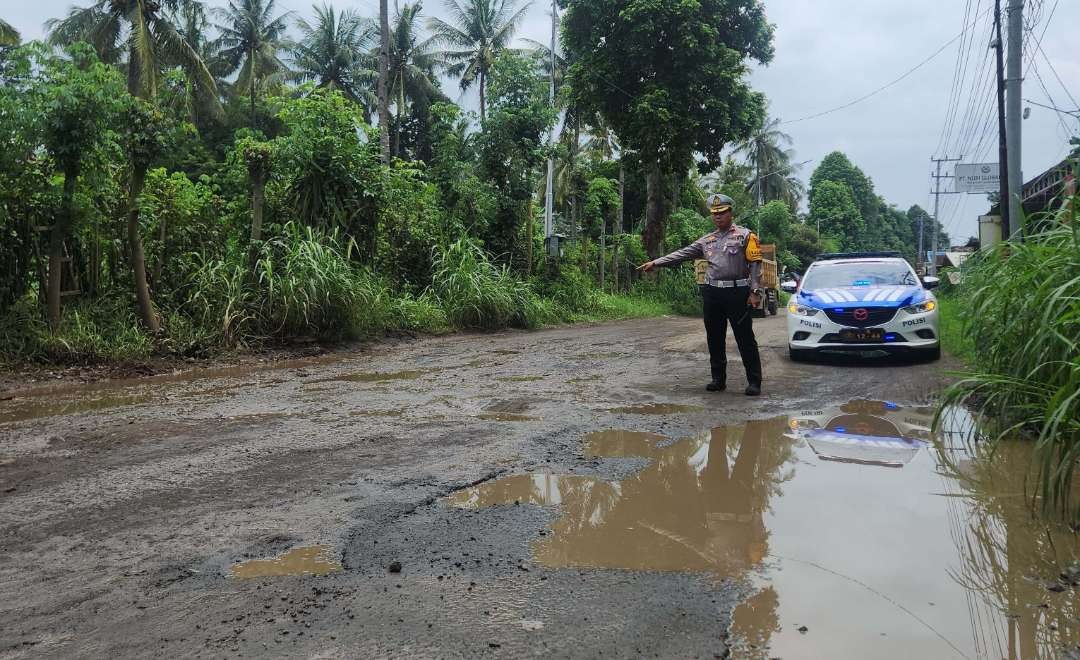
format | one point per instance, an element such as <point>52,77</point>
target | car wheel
<point>772,306</point>
<point>799,354</point>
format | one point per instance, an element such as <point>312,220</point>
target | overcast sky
<point>831,52</point>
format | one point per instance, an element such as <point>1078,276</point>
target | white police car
<point>867,304</point>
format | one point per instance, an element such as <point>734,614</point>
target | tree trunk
<point>622,197</point>
<point>251,56</point>
<point>483,90</point>
<point>529,239</point>
<point>60,228</point>
<point>138,260</point>
<point>653,234</point>
<point>384,75</point>
<point>603,246</point>
<point>615,267</point>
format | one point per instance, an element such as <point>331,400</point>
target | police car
<point>867,304</point>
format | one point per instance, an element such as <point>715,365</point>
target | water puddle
<point>656,409</point>
<point>519,379</point>
<point>20,409</point>
<point>854,537</point>
<point>309,560</point>
<point>375,376</point>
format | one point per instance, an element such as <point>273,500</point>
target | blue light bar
<point>890,337</point>
<point>838,310</point>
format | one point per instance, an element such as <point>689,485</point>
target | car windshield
<point>827,276</point>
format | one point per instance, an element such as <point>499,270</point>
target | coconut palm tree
<point>191,19</point>
<point>9,36</point>
<point>412,77</point>
<point>333,53</point>
<point>772,163</point>
<point>251,39</point>
<point>141,31</point>
<point>478,31</point>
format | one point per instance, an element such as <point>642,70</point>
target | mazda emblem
<point>861,314</point>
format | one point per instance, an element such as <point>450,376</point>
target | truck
<point>770,280</point>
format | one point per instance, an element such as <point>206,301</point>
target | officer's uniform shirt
<point>734,254</point>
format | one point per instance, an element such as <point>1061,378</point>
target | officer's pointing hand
<point>647,266</point>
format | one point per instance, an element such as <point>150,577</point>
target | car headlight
<point>802,310</point>
<point>919,308</point>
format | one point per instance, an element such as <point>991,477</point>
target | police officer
<point>732,288</point>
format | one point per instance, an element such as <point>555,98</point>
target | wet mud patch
<point>507,417</point>
<point>375,376</point>
<point>519,379</point>
<point>392,412</point>
<point>656,409</point>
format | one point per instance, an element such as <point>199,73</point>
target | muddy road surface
<point>572,492</point>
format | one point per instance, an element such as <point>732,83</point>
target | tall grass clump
<point>474,293</point>
<point>301,283</point>
<point>91,331</point>
<point>1021,307</point>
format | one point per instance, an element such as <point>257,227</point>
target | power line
<point>882,88</point>
<point>957,82</point>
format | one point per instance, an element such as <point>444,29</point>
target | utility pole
<point>936,228</point>
<point>1003,148</point>
<point>549,228</point>
<point>1012,115</point>
<point>384,75</point>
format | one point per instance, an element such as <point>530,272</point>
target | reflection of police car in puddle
<point>864,432</point>
<point>867,304</point>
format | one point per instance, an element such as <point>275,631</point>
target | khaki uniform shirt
<point>731,255</point>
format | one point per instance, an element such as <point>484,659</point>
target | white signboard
<point>977,178</point>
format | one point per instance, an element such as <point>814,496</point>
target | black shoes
<point>716,386</point>
<point>753,389</point>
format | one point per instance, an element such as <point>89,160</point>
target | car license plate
<point>863,335</point>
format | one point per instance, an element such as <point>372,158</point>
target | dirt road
<point>522,493</point>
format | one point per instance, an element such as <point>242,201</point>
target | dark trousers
<point>723,306</point>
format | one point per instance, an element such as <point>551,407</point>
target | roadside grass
<point>302,284</point>
<point>954,340</point>
<point>1022,301</point>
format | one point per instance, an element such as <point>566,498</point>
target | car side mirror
<point>789,286</point>
<point>930,282</point>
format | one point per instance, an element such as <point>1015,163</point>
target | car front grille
<point>874,316</point>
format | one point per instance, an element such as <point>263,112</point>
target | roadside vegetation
<point>1016,321</point>
<point>187,177</point>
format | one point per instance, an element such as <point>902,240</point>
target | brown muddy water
<point>308,560</point>
<point>853,535</point>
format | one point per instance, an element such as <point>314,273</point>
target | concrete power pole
<point>936,227</point>
<point>549,224</point>
<point>1003,148</point>
<point>1014,79</point>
